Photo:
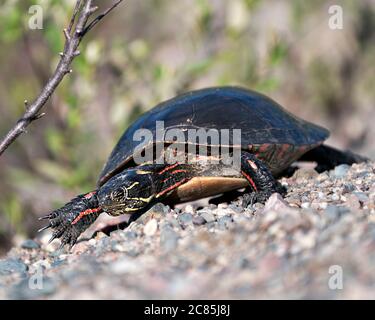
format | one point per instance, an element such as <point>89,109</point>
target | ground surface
<point>297,248</point>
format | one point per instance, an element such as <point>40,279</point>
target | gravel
<point>287,248</point>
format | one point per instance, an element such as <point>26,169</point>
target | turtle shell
<point>267,129</point>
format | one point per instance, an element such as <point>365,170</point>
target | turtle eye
<point>119,194</point>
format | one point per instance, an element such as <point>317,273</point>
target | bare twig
<point>73,35</point>
<point>100,17</point>
<point>74,15</point>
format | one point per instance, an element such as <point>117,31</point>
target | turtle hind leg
<point>328,157</point>
<point>260,178</point>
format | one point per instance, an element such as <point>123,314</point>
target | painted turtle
<point>270,140</point>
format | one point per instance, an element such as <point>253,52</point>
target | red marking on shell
<point>264,147</point>
<point>284,148</point>
<point>85,213</point>
<point>250,180</point>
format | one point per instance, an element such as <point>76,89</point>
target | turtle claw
<point>51,239</point>
<point>69,221</point>
<point>250,198</point>
<point>44,228</point>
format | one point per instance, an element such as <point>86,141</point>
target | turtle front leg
<point>72,219</point>
<point>260,178</point>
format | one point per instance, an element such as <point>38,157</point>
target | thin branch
<point>76,10</point>
<point>100,17</point>
<point>73,35</point>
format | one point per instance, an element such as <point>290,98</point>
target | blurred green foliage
<point>149,51</point>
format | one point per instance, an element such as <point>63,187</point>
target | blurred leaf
<point>160,72</point>
<point>55,141</point>
<point>74,117</point>
<point>251,4</point>
<point>139,49</point>
<point>199,67</point>
<point>277,53</point>
<point>11,24</point>
<point>205,14</point>
<point>54,38</point>
<point>13,212</point>
<point>267,85</point>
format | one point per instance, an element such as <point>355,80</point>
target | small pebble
<point>10,266</point>
<point>341,171</point>
<point>348,188</point>
<point>189,209</point>
<point>335,197</point>
<point>225,221</point>
<point>168,239</point>
<point>199,220</point>
<point>30,244</point>
<point>333,212</point>
<point>353,201</point>
<point>361,196</point>
<point>151,227</point>
<point>130,235</point>
<point>185,218</point>
<point>208,217</point>
<point>305,205</point>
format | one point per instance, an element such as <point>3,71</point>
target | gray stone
<point>235,208</point>
<point>333,212</point>
<point>224,221</point>
<point>363,174</point>
<point>130,235</point>
<point>209,217</point>
<point>340,171</point>
<point>57,263</point>
<point>174,223</point>
<point>168,239</point>
<point>30,244</point>
<point>348,188</point>
<point>185,218</point>
<point>361,196</point>
<point>160,208</point>
<point>277,203</point>
<point>104,243</point>
<point>305,173</point>
<point>151,227</point>
<point>199,220</point>
<point>10,266</point>
<point>211,225</point>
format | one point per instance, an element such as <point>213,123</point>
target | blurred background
<point>148,51</point>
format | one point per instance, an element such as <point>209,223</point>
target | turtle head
<point>126,193</point>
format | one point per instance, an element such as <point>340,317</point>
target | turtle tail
<point>328,157</point>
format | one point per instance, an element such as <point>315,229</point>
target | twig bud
<point>66,34</point>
